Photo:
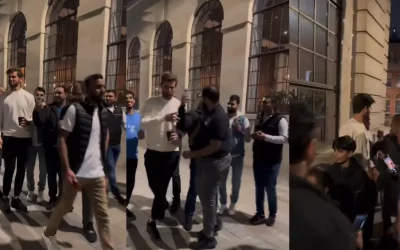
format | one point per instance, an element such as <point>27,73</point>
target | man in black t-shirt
<point>212,162</point>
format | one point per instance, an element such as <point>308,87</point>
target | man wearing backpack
<point>269,135</point>
<point>239,134</point>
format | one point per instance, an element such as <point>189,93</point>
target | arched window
<point>134,68</point>
<point>162,55</point>
<point>269,54</point>
<point>314,52</point>
<point>206,47</point>
<point>116,50</point>
<point>17,42</point>
<point>60,45</point>
<point>397,108</point>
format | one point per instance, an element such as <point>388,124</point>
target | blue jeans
<point>33,152</point>
<point>265,177</point>
<point>237,170</point>
<point>190,205</point>
<point>112,158</point>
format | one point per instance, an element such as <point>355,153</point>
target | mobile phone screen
<point>389,163</point>
<point>359,221</point>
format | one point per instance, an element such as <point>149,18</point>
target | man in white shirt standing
<point>159,117</point>
<point>83,143</point>
<point>15,119</point>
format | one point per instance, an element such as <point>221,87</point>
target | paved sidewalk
<point>236,234</point>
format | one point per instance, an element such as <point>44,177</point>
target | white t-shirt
<point>92,165</point>
<point>17,104</point>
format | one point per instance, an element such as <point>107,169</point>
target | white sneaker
<point>232,209</point>
<point>50,242</point>
<point>40,197</point>
<point>30,196</point>
<point>222,209</point>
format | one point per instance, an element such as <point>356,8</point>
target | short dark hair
<point>63,87</point>
<point>302,127</point>
<point>234,98</point>
<point>324,179</point>
<point>112,91</point>
<point>40,89</point>
<point>15,69</point>
<point>361,101</point>
<point>168,76</point>
<point>211,93</point>
<point>91,78</point>
<point>128,92</point>
<point>344,143</point>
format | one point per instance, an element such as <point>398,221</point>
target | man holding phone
<point>15,120</point>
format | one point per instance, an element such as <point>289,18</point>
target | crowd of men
<point>77,141</point>
<point>335,204</point>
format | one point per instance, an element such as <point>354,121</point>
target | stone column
<point>146,62</point>
<point>180,65</point>
<point>93,36</point>
<point>34,61</point>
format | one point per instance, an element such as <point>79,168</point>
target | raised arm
<point>147,117</point>
<point>67,123</point>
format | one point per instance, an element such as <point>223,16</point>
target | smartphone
<point>359,221</point>
<point>389,163</point>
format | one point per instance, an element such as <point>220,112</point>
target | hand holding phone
<point>389,163</point>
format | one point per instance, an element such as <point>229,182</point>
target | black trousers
<point>53,171</point>
<point>14,149</point>
<point>176,183</point>
<point>160,167</point>
<point>131,166</point>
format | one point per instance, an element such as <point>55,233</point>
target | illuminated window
<point>206,47</point>
<point>162,55</point>
<point>116,50</point>
<point>134,68</point>
<point>60,45</point>
<point>17,43</point>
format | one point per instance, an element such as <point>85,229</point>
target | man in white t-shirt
<point>15,120</point>
<point>83,142</point>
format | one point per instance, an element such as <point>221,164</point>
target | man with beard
<point>46,118</point>
<point>356,129</point>
<point>159,117</point>
<point>133,135</point>
<point>116,124</point>
<point>83,140</point>
<point>212,162</point>
<point>239,130</point>
<point>270,133</point>
<point>15,119</point>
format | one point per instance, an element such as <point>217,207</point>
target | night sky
<point>395,17</point>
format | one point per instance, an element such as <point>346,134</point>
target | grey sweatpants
<point>209,172</point>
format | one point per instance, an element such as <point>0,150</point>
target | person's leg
<point>87,218</point>
<point>237,170</point>
<point>30,169</point>
<point>223,197</point>
<point>42,173</point>
<point>176,190</point>
<point>190,205</point>
<point>259,179</point>
<point>131,167</point>
<point>10,149</point>
<point>112,156</point>
<point>22,158</point>
<point>270,187</point>
<point>52,172</point>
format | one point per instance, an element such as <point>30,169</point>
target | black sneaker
<point>270,221</point>
<point>188,223</point>
<point>6,205</point>
<point>130,215</point>
<point>51,204</point>
<point>152,227</point>
<point>176,204</point>
<point>90,233</point>
<point>120,199</point>
<point>257,219</point>
<point>217,228</point>
<point>207,243</point>
<point>18,205</point>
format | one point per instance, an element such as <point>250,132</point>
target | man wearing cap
<point>269,135</point>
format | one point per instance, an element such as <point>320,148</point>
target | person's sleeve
<point>31,107</point>
<point>361,152</point>
<point>147,117</point>
<point>283,127</point>
<point>68,120</point>
<point>39,117</point>
<point>123,120</point>
<point>180,125</point>
<point>1,113</point>
<point>247,130</point>
<point>218,128</point>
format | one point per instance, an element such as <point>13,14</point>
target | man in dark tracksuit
<point>189,123</point>
<point>116,123</point>
<point>270,133</point>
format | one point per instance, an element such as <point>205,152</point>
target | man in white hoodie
<point>159,117</point>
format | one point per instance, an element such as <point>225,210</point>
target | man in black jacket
<point>83,140</point>
<point>315,222</point>
<point>116,124</point>
<point>46,118</point>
